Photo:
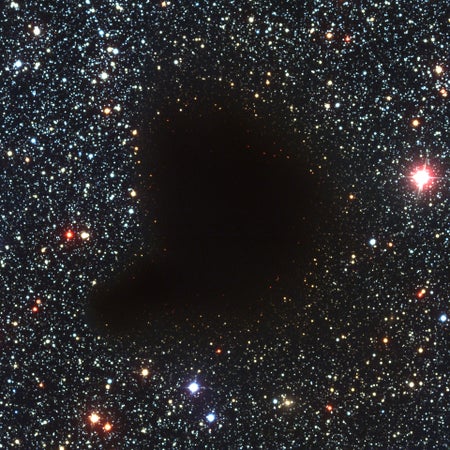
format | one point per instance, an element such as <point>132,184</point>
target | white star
<point>193,387</point>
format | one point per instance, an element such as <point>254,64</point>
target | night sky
<point>224,225</point>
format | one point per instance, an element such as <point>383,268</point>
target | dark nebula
<point>236,216</point>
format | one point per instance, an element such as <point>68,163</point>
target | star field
<point>350,351</point>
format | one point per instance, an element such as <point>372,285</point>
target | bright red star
<point>69,234</point>
<point>421,177</point>
<point>421,293</point>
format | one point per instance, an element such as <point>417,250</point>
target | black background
<point>235,212</point>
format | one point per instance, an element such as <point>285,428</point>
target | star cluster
<point>354,354</point>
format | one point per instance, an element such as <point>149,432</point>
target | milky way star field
<point>224,224</point>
